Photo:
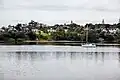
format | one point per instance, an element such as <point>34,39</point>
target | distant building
<point>51,30</point>
<point>102,25</point>
<point>104,30</point>
<point>35,30</point>
<point>71,22</point>
<point>103,22</point>
<point>119,20</point>
<point>113,31</point>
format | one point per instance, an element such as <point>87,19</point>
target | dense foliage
<point>70,32</point>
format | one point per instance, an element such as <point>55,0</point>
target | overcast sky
<point>59,11</point>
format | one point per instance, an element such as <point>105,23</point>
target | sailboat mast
<point>87,34</point>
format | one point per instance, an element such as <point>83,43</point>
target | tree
<point>32,35</point>
<point>18,27</point>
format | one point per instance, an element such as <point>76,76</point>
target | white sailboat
<point>88,44</point>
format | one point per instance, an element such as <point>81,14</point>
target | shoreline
<point>71,43</point>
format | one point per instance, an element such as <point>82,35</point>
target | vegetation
<point>70,32</point>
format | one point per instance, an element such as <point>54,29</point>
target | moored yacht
<point>88,44</point>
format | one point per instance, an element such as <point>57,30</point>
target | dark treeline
<point>97,33</point>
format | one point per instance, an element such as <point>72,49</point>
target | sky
<point>59,11</point>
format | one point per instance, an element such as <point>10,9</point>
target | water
<point>59,63</point>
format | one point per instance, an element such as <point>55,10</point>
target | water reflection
<point>119,57</point>
<point>60,65</point>
<point>103,54</point>
<point>44,56</point>
<point>18,55</point>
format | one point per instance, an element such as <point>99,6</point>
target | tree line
<point>34,31</point>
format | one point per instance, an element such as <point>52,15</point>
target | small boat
<point>88,45</point>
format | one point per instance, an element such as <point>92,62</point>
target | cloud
<point>104,9</point>
<point>61,8</point>
<point>61,5</point>
<point>1,4</point>
<point>45,7</point>
<point>53,10</point>
<point>1,1</point>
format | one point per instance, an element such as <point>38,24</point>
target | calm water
<point>59,63</point>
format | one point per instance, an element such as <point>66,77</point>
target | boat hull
<point>89,45</point>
